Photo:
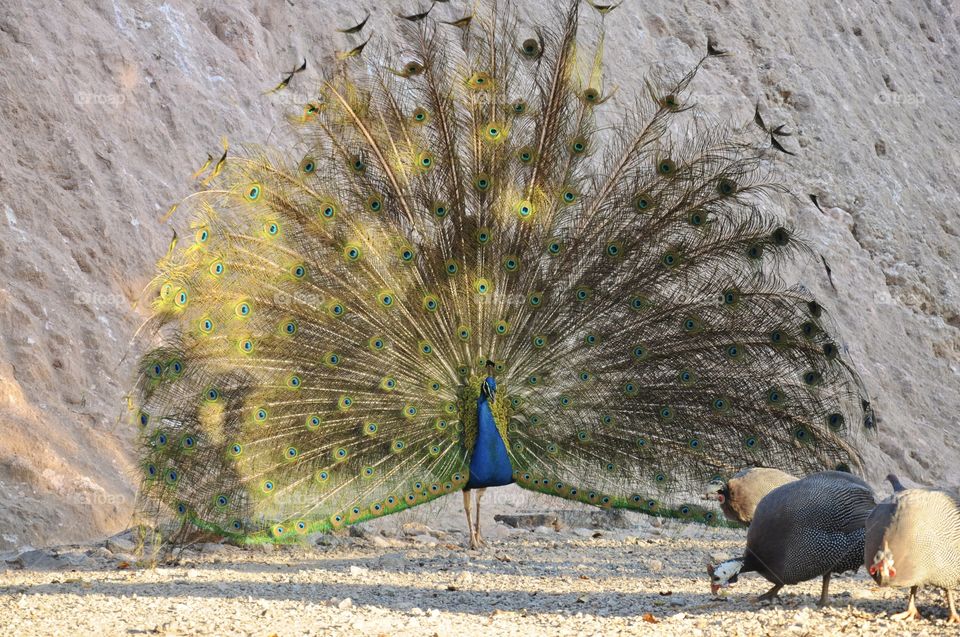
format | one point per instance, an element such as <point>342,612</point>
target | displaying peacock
<point>460,281</point>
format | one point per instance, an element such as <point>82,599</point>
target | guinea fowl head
<point>717,490</point>
<point>723,574</point>
<point>882,570</point>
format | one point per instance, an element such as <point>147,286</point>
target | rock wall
<point>107,106</point>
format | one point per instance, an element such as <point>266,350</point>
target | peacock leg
<point>954,618</point>
<point>911,612</point>
<point>825,592</point>
<point>480,541</point>
<point>771,594</point>
<point>466,509</point>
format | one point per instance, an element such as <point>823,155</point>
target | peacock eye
<point>530,48</point>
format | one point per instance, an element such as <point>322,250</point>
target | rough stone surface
<point>108,106</point>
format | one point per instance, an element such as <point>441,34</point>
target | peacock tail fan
<point>323,336</point>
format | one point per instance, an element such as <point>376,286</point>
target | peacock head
<point>717,490</point>
<point>724,574</point>
<point>882,570</point>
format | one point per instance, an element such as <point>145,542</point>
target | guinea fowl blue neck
<point>489,462</point>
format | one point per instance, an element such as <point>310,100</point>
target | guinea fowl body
<point>913,540</point>
<point>742,493</point>
<point>812,527</point>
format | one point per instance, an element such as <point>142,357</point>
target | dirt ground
<point>577,573</point>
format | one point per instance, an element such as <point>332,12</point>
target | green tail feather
<point>322,336</point>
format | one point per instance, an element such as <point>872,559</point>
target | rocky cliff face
<point>107,107</point>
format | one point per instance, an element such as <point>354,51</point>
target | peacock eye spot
<point>781,237</point>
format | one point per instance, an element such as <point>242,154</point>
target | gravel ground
<point>410,579</point>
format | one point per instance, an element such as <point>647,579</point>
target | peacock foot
<point>953,619</point>
<point>476,542</point>
<point>910,613</point>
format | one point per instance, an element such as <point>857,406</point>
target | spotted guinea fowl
<point>739,496</point>
<point>812,527</point>
<point>913,539</point>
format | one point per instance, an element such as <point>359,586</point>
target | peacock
<point>457,278</point>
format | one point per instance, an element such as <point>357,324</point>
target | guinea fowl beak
<point>714,588</point>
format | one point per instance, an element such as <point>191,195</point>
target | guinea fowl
<point>739,496</point>
<point>812,527</point>
<point>913,539</point>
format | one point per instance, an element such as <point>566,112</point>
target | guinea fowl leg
<point>825,591</point>
<point>480,541</point>
<point>911,612</point>
<point>953,618</point>
<point>771,594</point>
<point>466,508</point>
